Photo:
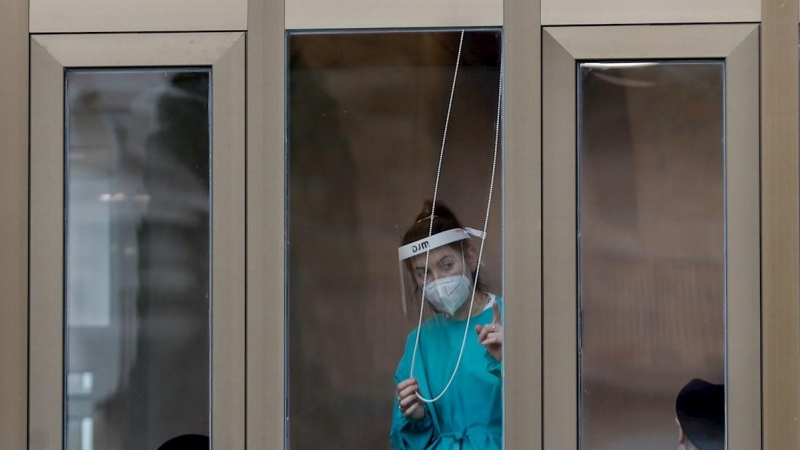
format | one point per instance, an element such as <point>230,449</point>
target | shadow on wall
<point>326,268</point>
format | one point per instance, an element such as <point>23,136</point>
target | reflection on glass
<point>366,116</point>
<point>137,254</point>
<point>651,246</point>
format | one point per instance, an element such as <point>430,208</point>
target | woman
<point>469,414</point>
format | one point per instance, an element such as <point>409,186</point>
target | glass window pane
<point>651,249</point>
<point>366,118</point>
<point>137,255</point>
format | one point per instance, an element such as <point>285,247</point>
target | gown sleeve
<point>493,366</point>
<point>409,434</point>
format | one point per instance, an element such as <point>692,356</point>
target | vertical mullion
<point>559,247</point>
<point>46,398</point>
<point>228,254</point>
<point>14,231</point>
<point>265,192</point>
<point>522,223</point>
<point>742,325</point>
<point>780,225</point>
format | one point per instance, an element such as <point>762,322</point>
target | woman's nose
<point>433,276</point>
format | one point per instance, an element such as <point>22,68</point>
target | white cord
<point>485,225</point>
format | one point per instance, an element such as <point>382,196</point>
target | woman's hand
<point>410,405</point>
<point>491,335</point>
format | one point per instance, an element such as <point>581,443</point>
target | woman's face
<point>444,262</point>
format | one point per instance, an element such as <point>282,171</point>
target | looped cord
<point>485,223</point>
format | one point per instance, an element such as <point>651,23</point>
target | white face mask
<point>449,293</point>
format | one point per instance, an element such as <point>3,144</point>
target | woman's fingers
<point>488,330</point>
<point>407,399</point>
<point>484,334</point>
<point>411,410</point>
<point>406,383</point>
<point>406,402</point>
<point>493,338</point>
<point>408,392</point>
<point>491,334</point>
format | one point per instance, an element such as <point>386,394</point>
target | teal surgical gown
<point>470,415</point>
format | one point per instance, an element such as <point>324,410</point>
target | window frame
<point>266,293</point>
<point>563,49</point>
<point>51,55</point>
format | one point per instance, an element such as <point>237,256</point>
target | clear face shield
<point>448,284</point>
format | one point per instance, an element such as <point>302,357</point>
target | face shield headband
<point>422,246</point>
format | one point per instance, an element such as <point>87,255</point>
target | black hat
<point>186,442</point>
<point>701,413</point>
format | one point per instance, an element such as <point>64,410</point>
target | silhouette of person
<point>700,408</point>
<point>187,442</point>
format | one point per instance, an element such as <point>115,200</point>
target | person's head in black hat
<point>186,442</point>
<point>701,416</point>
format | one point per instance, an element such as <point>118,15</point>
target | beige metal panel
<point>50,55</point>
<point>96,16</point>
<point>522,225</point>
<point>325,14</point>
<point>14,231</point>
<point>743,288</point>
<point>559,246</point>
<point>46,250</point>
<point>780,197</point>
<point>563,47</point>
<point>266,333</point>
<point>184,49</point>
<point>228,231</point>
<point>591,12</point>
<point>628,43</point>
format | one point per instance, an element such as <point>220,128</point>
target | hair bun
<point>441,211</point>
